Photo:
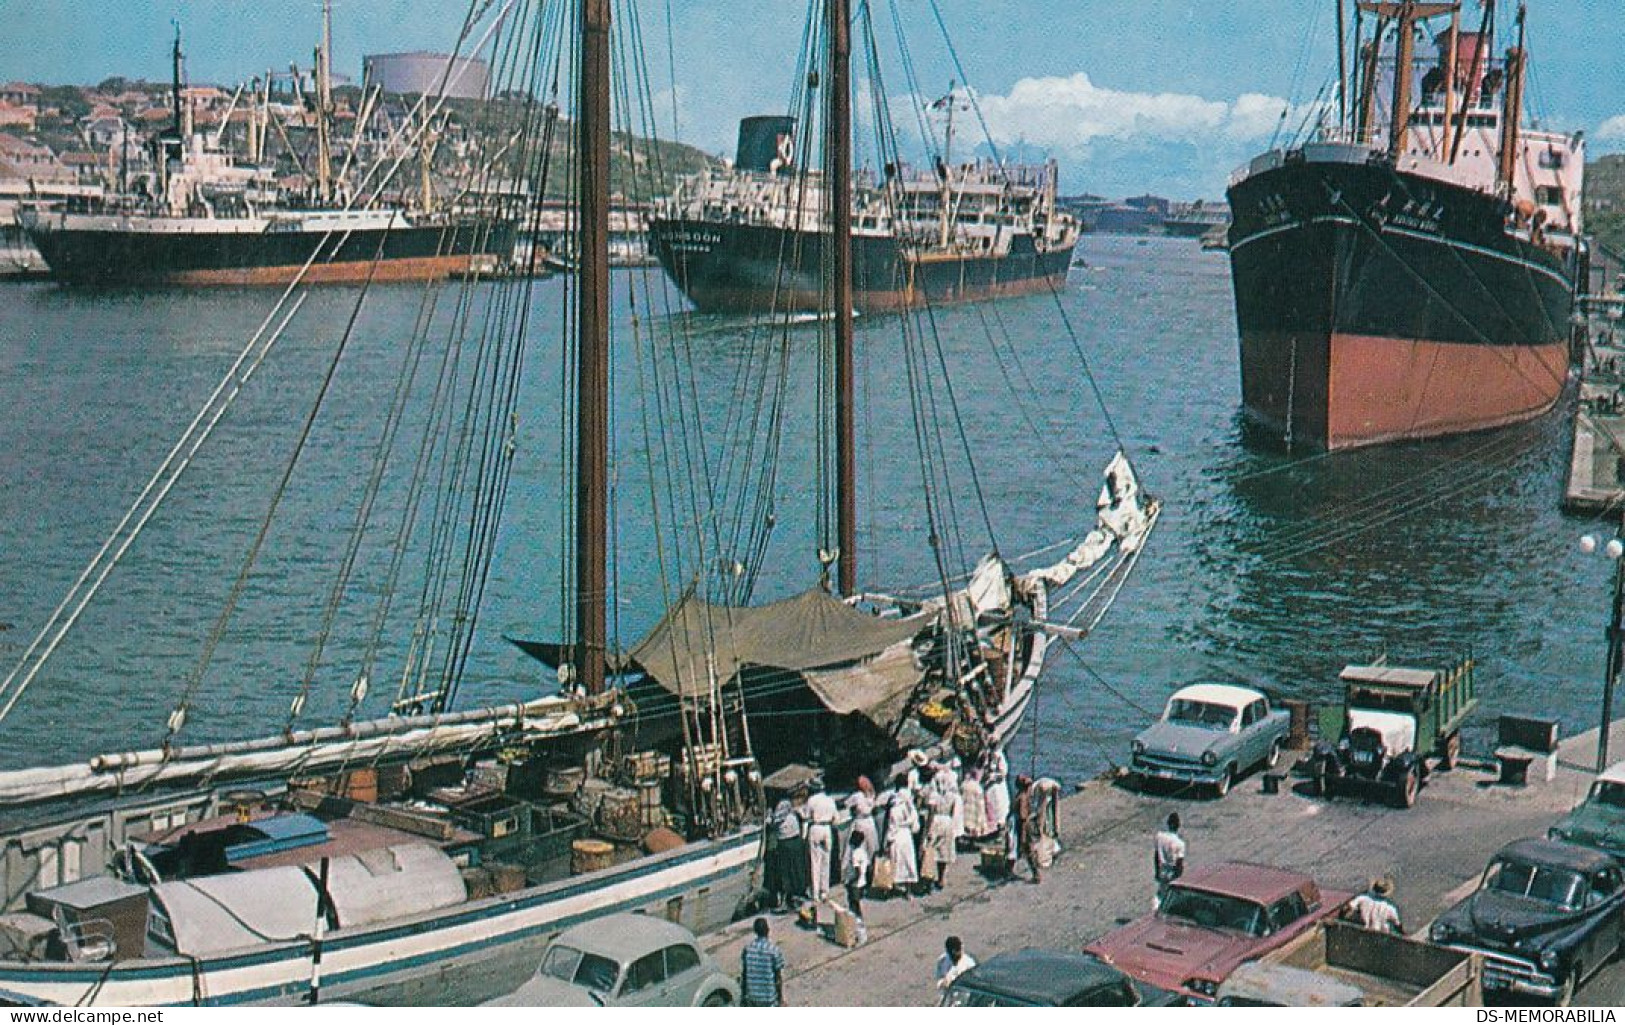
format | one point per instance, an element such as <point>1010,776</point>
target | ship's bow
<point>1375,305</point>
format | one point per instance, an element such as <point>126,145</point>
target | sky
<point>1166,96</point>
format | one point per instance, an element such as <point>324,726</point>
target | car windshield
<point>590,971</point>
<point>1608,792</point>
<point>1214,911</point>
<point>964,996</point>
<point>1200,713</point>
<point>1549,885</point>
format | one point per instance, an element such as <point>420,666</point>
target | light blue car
<point>1209,735</point>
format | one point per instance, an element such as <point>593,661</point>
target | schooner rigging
<point>598,759</point>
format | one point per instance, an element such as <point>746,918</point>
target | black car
<point>1051,978</point>
<point>1545,916</point>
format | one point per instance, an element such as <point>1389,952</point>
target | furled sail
<point>363,743</point>
<point>1123,518</point>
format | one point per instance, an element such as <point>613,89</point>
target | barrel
<point>590,856</point>
<point>565,782</point>
<point>362,786</point>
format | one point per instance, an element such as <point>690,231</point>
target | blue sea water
<point>1268,568</point>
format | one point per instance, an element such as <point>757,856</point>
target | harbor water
<point>1268,568</point>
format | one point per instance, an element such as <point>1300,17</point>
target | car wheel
<point>1228,777</point>
<point>718,999</point>
<point>1571,982</point>
<point>1452,751</point>
<point>1273,759</point>
<point>1408,788</point>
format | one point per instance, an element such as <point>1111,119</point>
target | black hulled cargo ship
<point>201,216</point>
<point>750,239</point>
<point>272,248</point>
<point>1409,276</point>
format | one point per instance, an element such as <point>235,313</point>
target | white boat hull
<point>458,955</point>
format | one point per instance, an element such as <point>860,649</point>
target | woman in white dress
<point>901,825</point>
<point>996,784</point>
<point>973,801</point>
<point>862,807</point>
<point>939,835</point>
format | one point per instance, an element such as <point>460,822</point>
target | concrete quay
<point>1435,853</point>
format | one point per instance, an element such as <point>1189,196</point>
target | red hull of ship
<point>1346,390</point>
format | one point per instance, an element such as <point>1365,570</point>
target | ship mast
<point>1342,69</point>
<point>1512,109</point>
<point>1406,14</point>
<point>176,57</point>
<point>1368,83</point>
<point>592,367</point>
<point>324,105</point>
<point>1405,46</point>
<point>838,182</point>
<point>948,171</point>
<point>1480,47</point>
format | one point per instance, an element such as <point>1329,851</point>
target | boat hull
<point>745,268</point>
<point>459,955</point>
<point>1375,306</point>
<point>104,254</point>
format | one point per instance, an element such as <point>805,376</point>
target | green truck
<point>1392,720</point>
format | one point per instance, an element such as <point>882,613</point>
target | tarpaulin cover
<point>852,661</point>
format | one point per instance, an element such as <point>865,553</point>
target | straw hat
<point>918,757</point>
<point>1382,886</point>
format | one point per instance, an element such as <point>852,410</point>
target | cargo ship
<point>269,248</point>
<point>750,239</point>
<point>1410,272</point>
<point>1196,220</point>
<point>203,217</point>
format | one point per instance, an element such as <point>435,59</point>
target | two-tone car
<point>1598,821</point>
<point>1211,920</point>
<point>1545,916</point>
<point>1209,735</point>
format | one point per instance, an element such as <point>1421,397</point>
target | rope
<point>235,382</point>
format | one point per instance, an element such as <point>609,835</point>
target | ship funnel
<point>766,144</point>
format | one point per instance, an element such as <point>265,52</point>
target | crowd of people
<point>904,838</point>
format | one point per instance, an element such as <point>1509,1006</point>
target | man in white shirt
<point>953,963</point>
<point>1167,857</point>
<point>820,812</point>
<point>1375,908</point>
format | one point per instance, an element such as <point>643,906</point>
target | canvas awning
<point>853,661</point>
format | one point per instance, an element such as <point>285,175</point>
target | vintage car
<point>1546,914</point>
<point>625,960</point>
<point>1599,821</point>
<point>1209,735</point>
<point>1051,978</point>
<point>1213,919</point>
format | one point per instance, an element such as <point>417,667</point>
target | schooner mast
<point>838,178</point>
<point>592,369</point>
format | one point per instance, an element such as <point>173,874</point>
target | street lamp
<point>1616,634</point>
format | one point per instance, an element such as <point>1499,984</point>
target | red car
<point>1213,919</point>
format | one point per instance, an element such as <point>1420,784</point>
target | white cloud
<point>1071,112</point>
<point>1613,129</point>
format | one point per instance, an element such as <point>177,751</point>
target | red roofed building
<point>12,115</point>
<point>20,94</point>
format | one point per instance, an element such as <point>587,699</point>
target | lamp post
<point>1616,640</point>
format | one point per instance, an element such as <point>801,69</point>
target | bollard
<point>1297,737</point>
